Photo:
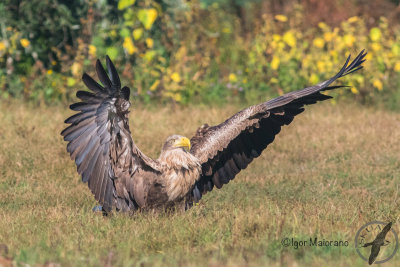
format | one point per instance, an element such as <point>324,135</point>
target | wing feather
<point>101,73</point>
<point>229,147</point>
<point>92,136</point>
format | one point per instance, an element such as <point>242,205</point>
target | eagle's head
<point>176,142</point>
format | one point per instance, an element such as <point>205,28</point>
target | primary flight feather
<point>120,176</point>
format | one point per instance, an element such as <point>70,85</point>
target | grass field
<point>335,168</point>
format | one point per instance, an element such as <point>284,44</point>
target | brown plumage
<point>120,176</point>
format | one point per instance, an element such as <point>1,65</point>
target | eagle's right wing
<point>99,140</point>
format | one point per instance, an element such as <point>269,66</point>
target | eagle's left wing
<point>229,147</point>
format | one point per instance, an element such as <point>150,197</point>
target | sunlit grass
<point>332,170</point>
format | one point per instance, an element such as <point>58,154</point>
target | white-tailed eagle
<point>121,177</point>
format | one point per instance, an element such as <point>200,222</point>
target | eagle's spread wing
<point>229,147</point>
<point>99,140</point>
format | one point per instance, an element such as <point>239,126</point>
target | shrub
<point>189,51</point>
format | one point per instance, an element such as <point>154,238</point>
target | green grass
<point>335,168</point>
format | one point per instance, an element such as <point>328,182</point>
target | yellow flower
<point>354,90</point>
<point>244,80</point>
<point>377,84</point>
<point>322,25</point>
<point>375,34</point>
<point>177,97</point>
<point>71,81</point>
<point>129,46</point>
<point>397,67</point>
<point>321,66</point>
<point>75,69</point>
<point>24,42</point>
<point>276,37</point>
<point>149,42</point>
<point>176,77</point>
<point>232,77</point>
<point>92,50</point>
<point>273,80</point>
<point>49,72</point>
<point>359,78</point>
<point>137,33</point>
<point>313,79</point>
<point>2,46</point>
<point>275,63</point>
<point>395,49</point>
<point>289,39</point>
<point>349,40</point>
<point>281,18</point>
<point>353,19</point>
<point>376,46</point>
<point>319,42</point>
<point>53,62</point>
<point>122,4</point>
<point>328,36</point>
<point>154,85</point>
<point>149,55</point>
<point>226,30</point>
<point>147,17</point>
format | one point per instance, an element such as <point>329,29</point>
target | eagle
<point>122,178</point>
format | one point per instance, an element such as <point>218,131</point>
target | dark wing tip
<point>92,84</point>
<point>109,61</point>
<point>86,76</point>
<point>355,64</point>
<point>102,74</point>
<point>112,72</point>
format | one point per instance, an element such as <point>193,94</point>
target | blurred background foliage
<point>199,51</point>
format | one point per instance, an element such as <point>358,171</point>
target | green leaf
<point>122,4</point>
<point>49,91</point>
<point>112,52</point>
<point>71,81</point>
<point>147,17</point>
<point>375,34</point>
<point>149,55</point>
<point>124,32</point>
<point>137,33</point>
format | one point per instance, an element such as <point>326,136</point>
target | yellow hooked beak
<point>183,142</point>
